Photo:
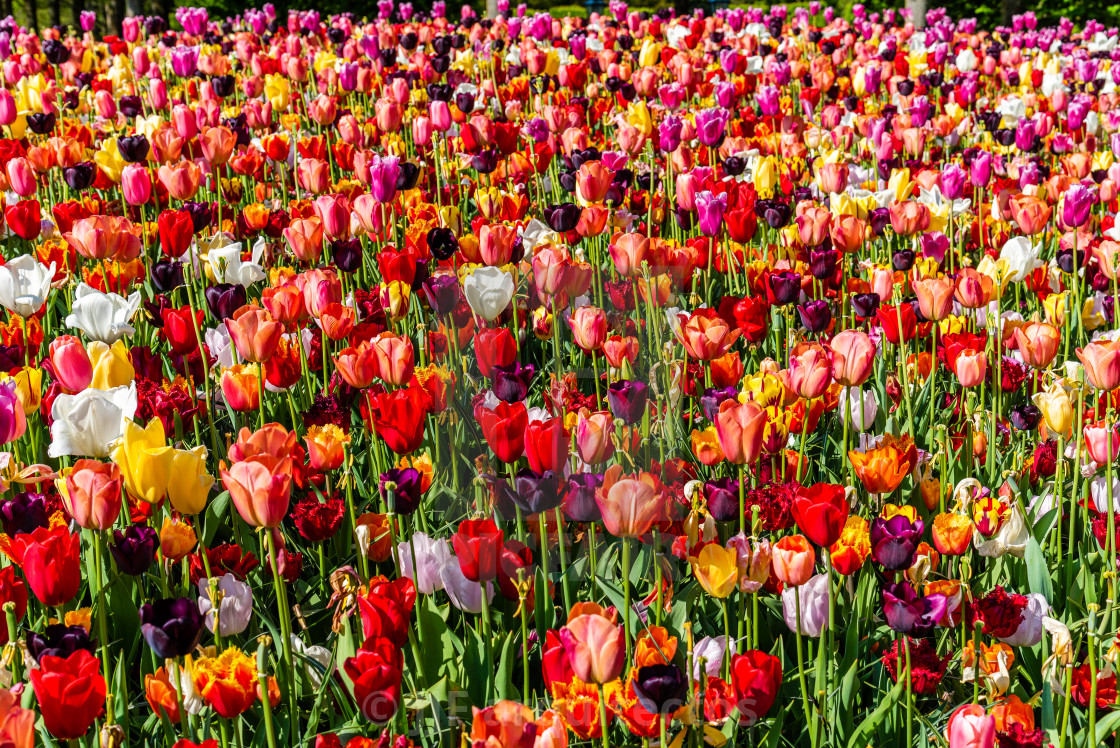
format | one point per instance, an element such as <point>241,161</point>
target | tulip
<point>935,297</point>
<point>145,460</point>
<point>70,693</point>
<point>190,488</point>
<point>13,418</point>
<point>476,544</point>
<point>104,317</point>
<point>50,560</point>
<point>755,677</point>
<point>853,357</point>
<point>894,541</point>
<point>86,423</point>
<point>589,328</point>
<point>233,611</point>
<point>970,727</point>
<point>628,400</point>
<point>1037,343</point>
<point>261,488</point>
<point>911,614</point>
<point>810,373</point>
<point>1101,359</point>
<point>629,504</point>
<point>593,437</point>
<point>716,569</point>
<point>595,647</point>
<point>91,493</point>
<point>805,606</point>
<point>821,511</point>
<point>739,427</point>
<point>134,550</point>
<point>488,291</point>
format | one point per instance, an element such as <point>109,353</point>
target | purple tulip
<point>769,100</point>
<point>627,400</point>
<point>383,174</point>
<point>710,126</point>
<point>952,182</point>
<point>713,398</point>
<point>511,383</point>
<point>579,500</point>
<point>406,486</point>
<point>894,541</point>
<point>980,173</point>
<point>723,498</point>
<point>912,614</point>
<point>1076,204</point>
<point>815,315</point>
<point>709,209</point>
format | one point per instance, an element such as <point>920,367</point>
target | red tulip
<point>70,692</point>
<point>398,417</point>
<point>51,562</point>
<point>12,590</point>
<point>504,429</point>
<point>821,510</point>
<point>755,677</point>
<point>477,544</point>
<point>494,348</point>
<point>376,672</point>
<point>24,218</point>
<point>546,444</point>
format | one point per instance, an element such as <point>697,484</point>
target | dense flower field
<point>746,379</point>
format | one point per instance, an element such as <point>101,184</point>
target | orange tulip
<point>162,696</point>
<point>951,533</point>
<point>1038,343</point>
<point>935,297</point>
<point>181,179</point>
<point>973,288</point>
<point>261,488</point>
<point>629,504</point>
<point>1031,213</point>
<point>706,336</point>
<point>240,387</point>
<point>739,427</point>
<point>882,468</point>
<point>217,144</point>
<point>1101,359</point>
<point>792,559</point>
<point>326,446</point>
<point>392,358</point>
<point>971,367</point>
<point>255,334</point>
<point>91,493</point>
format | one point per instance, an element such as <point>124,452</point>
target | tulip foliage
<point>746,378</point>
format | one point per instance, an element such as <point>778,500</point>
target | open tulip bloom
<point>519,380</point>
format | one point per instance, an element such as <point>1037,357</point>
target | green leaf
<point>1038,573</point>
<point>477,668</point>
<point>437,653</point>
<point>867,729</point>
<point>504,675</point>
<point>1106,726</point>
<point>214,517</point>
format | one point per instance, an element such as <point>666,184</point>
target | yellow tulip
<point>278,92</point>
<point>29,388</point>
<point>766,176</point>
<point>650,54</point>
<point>1056,407</point>
<point>111,365</point>
<point>715,568</point>
<point>637,114</point>
<point>109,159</point>
<point>1054,306</point>
<point>902,185</point>
<point>191,487</point>
<point>145,460</point>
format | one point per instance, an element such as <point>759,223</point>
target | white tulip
<point>86,424</point>
<point>489,291</point>
<point>1022,258</point>
<point>103,316</point>
<point>235,608</point>
<point>226,266</point>
<point>24,285</point>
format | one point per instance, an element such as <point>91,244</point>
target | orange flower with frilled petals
<point>577,704</point>
<point>228,682</point>
<point>654,646</point>
<point>952,533</point>
<point>883,468</point>
<point>854,546</point>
